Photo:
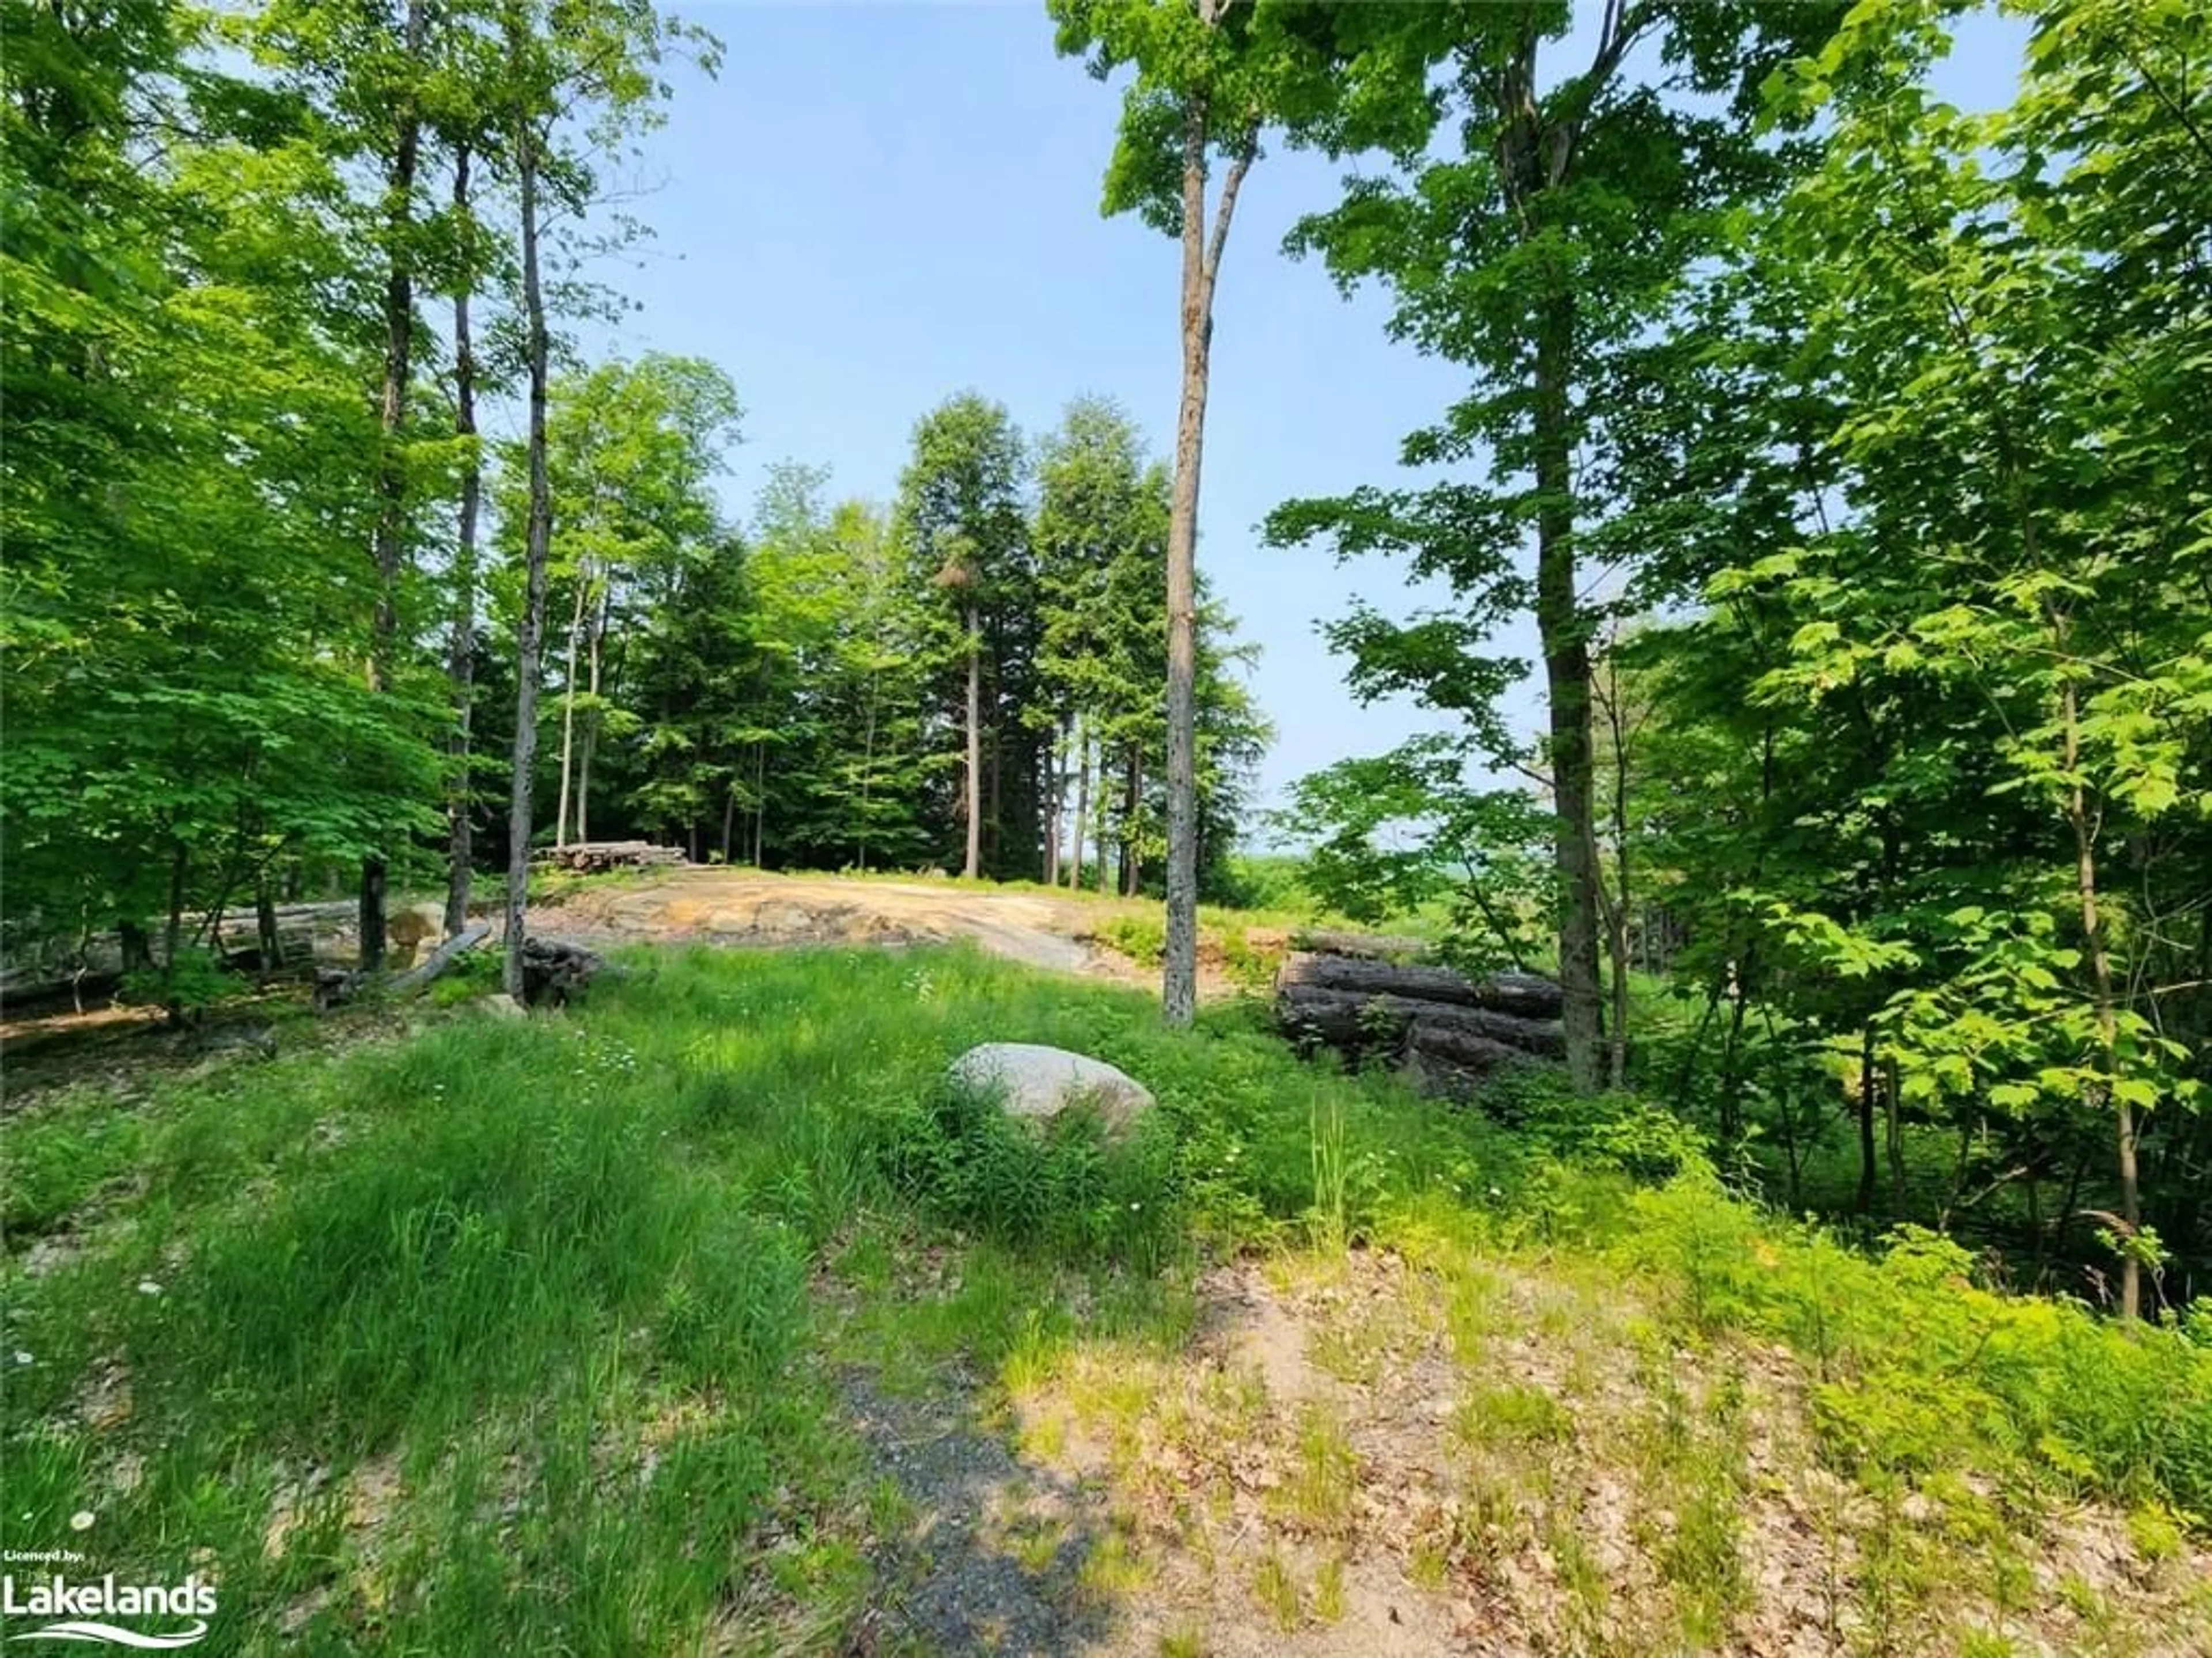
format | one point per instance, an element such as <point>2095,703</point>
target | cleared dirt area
<point>751,907</point>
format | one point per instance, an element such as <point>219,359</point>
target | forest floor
<point>700,1319</point>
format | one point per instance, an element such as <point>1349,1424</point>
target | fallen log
<point>442,957</point>
<point>335,985</point>
<point>1529,995</point>
<point>1439,1080</point>
<point>1345,1018</point>
<point>1470,1049</point>
<point>1367,946</point>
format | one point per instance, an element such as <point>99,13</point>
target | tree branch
<point>1246,153</point>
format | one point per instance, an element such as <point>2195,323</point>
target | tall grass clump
<point>1069,1186</point>
<point>491,1211</point>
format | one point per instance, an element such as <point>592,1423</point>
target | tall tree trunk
<point>867,770</point>
<point>390,474</point>
<point>1132,872</point>
<point>729,817</point>
<point>1564,632</point>
<point>1893,1105</point>
<point>264,921</point>
<point>569,710</point>
<point>1082,807</point>
<point>1731,1080</point>
<point>537,542</point>
<point>173,930</point>
<point>1201,264</point>
<point>1862,1203</point>
<point>1101,828</point>
<point>460,652</point>
<point>1058,767</point>
<point>994,827</point>
<point>2104,999</point>
<point>975,864</point>
<point>760,805</point>
<point>597,638</point>
<point>1617,911</point>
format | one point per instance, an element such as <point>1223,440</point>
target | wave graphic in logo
<point>108,1635</point>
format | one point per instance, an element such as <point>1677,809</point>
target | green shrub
<point>1065,1186</point>
<point>1143,937</point>
<point>193,983</point>
<point>1919,1367</point>
<point>1619,1131</point>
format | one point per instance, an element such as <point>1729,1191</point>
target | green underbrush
<point>515,1334</point>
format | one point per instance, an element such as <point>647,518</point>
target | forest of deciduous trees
<point>1864,447</point>
<point>1849,453</point>
<point>280,612</point>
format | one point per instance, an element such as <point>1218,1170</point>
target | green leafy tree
<point>1393,835</point>
<point>1100,535</point>
<point>633,450</point>
<point>572,80</point>
<point>184,457</point>
<point>2009,340</point>
<point>963,521</point>
<point>1209,79</point>
<point>1539,246</point>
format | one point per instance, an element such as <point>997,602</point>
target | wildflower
<point>22,1357</point>
<point>81,1519</point>
<point>148,1287</point>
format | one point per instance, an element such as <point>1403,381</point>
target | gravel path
<point>951,1584</point>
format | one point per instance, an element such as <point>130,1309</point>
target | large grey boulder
<point>1038,1082</point>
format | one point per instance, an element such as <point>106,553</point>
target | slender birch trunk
<point>537,542</point>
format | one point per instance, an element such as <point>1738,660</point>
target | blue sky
<point>875,206</point>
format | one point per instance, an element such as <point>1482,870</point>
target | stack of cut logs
<point>1448,1031</point>
<point>596,857</point>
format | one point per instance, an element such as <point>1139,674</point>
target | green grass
<point>528,1335</point>
<point>524,1264</point>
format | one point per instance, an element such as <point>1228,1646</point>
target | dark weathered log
<point>1541,1037</point>
<point>1342,1018</point>
<point>1469,1049</point>
<point>442,957</point>
<point>1531,995</point>
<point>554,974</point>
<point>1345,1018</point>
<point>1528,995</point>
<point>1367,946</point>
